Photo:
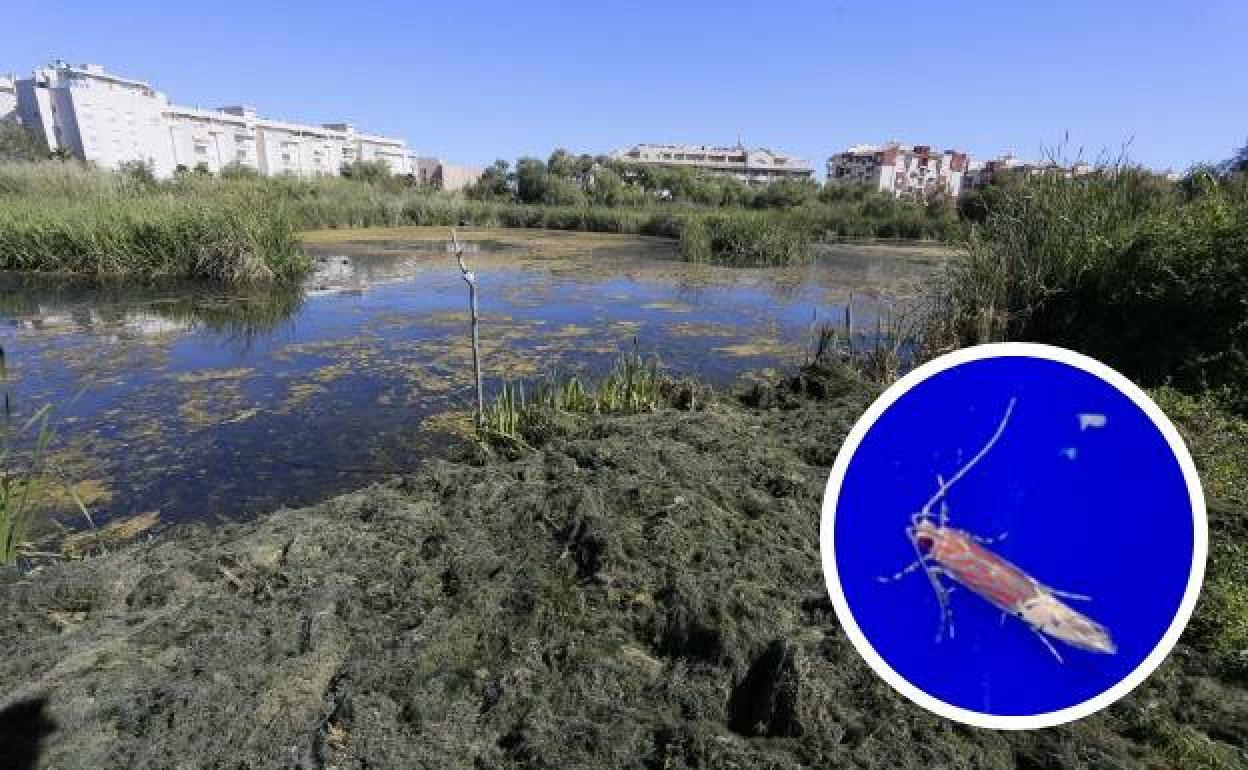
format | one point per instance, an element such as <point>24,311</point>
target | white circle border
<point>1200,535</point>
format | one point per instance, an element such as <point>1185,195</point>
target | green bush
<point>156,236</point>
<point>745,240</point>
<point>1118,265</point>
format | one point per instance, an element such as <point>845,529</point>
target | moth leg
<point>988,540</point>
<point>1068,595</point>
<point>1047,643</point>
<point>942,600</point>
<point>911,567</point>
<point>943,517</point>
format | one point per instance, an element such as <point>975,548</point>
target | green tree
<point>139,172</point>
<point>371,171</point>
<point>531,180</point>
<point>238,170</point>
<point>562,191</point>
<point>18,144</point>
<point>494,184</point>
<point>563,164</point>
<point>607,188</point>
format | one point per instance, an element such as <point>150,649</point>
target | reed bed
<point>632,386</point>
<point>1146,275</point>
<point>154,236</point>
<point>242,228</point>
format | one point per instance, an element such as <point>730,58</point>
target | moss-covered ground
<point>640,591</point>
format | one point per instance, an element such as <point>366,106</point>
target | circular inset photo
<point>1013,536</point>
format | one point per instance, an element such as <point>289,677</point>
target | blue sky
<point>472,81</point>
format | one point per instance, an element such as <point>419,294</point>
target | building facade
<point>109,120</point>
<point>8,98</point>
<point>446,176</point>
<point>757,166</point>
<point>914,172</point>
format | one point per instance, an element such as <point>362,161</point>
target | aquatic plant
<point>20,471</point>
<point>632,386</point>
<point>225,239</point>
<point>745,239</point>
<point>878,354</point>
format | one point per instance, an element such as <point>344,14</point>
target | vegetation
<point>1146,275</point>
<point>744,239</point>
<point>21,470</point>
<point>65,218</point>
<point>17,144</point>
<point>237,226</point>
<point>632,386</point>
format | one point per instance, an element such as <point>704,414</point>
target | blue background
<point>1114,523</point>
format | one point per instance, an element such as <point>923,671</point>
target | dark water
<point>196,403</point>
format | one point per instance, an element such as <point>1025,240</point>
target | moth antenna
<point>926,510</point>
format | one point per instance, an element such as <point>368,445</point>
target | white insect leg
<point>943,517</point>
<point>942,594</point>
<point>988,540</point>
<point>1047,643</point>
<point>1068,595</point>
<point>942,600</point>
<point>909,568</point>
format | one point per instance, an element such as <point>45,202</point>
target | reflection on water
<point>196,402</point>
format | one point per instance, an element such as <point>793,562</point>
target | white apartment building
<point>8,98</point>
<point>757,166</point>
<point>905,171</point>
<point>110,120</point>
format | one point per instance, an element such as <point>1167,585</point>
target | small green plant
<point>632,386</point>
<point>21,470</point>
<point>878,353</point>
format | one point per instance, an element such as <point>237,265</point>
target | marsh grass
<point>745,239</point>
<point>879,353</point>
<point>66,218</point>
<point>21,469</point>
<point>221,240</point>
<point>239,228</point>
<point>1146,275</point>
<point>632,386</point>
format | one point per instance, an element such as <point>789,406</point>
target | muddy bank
<point>641,592</point>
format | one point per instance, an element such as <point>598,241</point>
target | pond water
<point>196,403</point>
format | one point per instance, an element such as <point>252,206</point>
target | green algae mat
<point>640,591</point>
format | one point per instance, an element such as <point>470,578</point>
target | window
<point>285,157</point>
<point>201,149</point>
<point>242,153</point>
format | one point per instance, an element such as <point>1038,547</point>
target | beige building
<point>757,166</point>
<point>445,176</point>
<point>909,171</point>
<point>110,120</point>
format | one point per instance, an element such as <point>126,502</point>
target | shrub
<point>1147,277</point>
<point>745,240</point>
